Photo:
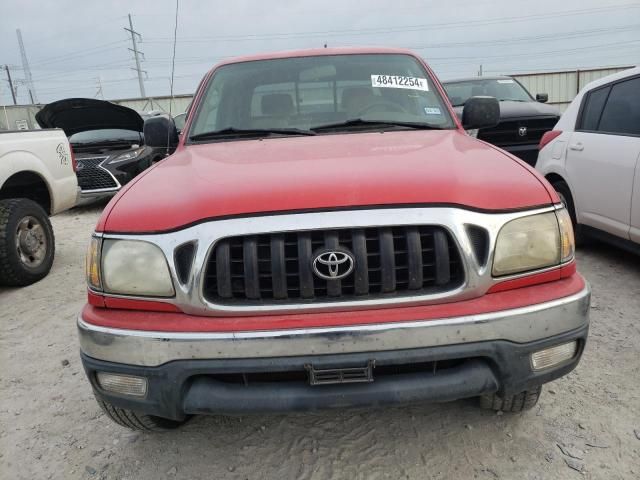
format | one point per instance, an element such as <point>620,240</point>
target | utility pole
<point>99,88</point>
<point>27,70</point>
<point>13,92</point>
<point>480,71</point>
<point>136,54</point>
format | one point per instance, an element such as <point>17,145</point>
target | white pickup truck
<point>37,179</point>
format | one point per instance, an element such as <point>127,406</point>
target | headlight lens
<point>127,156</point>
<point>134,267</point>
<point>532,242</point>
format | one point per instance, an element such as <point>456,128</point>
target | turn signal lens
<point>122,384</point>
<point>93,264</point>
<point>567,241</point>
<point>550,357</point>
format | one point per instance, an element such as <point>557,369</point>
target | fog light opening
<point>550,357</point>
<point>122,384</point>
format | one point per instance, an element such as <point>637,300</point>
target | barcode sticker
<point>399,81</point>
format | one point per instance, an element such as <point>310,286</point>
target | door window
<point>613,109</point>
<point>621,113</point>
<point>592,109</point>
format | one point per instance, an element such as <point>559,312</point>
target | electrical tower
<point>27,71</point>
<point>137,53</point>
<point>13,92</point>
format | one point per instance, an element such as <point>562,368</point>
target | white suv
<point>592,158</point>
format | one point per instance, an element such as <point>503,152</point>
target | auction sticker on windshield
<point>399,81</point>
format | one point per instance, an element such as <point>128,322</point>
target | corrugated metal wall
<point>179,105</point>
<point>15,117</point>
<point>562,87</point>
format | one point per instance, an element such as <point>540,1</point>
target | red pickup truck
<point>327,235</point>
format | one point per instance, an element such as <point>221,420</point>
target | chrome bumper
<point>521,325</point>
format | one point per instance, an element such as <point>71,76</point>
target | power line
<point>399,29</point>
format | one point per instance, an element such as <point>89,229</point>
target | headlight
<point>127,156</point>
<point>129,267</point>
<point>533,242</point>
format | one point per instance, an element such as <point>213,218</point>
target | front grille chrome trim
<point>478,279</point>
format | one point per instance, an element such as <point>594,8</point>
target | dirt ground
<point>587,425</point>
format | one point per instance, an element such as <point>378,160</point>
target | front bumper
<point>187,371</point>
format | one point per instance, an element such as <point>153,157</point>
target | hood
<point>415,167</point>
<point>509,109</point>
<point>74,115</point>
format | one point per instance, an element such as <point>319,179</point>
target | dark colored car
<point>523,118</point>
<point>107,141</point>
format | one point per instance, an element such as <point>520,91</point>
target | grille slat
<point>277,267</point>
<point>251,272</point>
<point>387,260</point>
<point>359,248</point>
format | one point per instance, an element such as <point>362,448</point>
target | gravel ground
<point>587,424</point>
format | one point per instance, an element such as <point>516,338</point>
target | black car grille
<point>277,267</point>
<point>91,176</point>
<point>507,132</point>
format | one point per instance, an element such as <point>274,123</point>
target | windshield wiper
<point>358,122</point>
<point>256,132</point>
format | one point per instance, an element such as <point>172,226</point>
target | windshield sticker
<point>399,81</point>
<point>431,110</point>
<point>505,81</point>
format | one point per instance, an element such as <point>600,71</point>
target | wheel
<point>564,193</point>
<point>513,403</point>
<point>137,421</point>
<point>27,244</point>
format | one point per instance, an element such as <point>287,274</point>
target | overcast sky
<point>74,45</point>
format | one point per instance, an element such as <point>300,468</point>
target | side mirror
<point>160,132</point>
<point>542,97</point>
<point>480,112</point>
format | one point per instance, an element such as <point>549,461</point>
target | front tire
<point>27,244</point>
<point>512,403</point>
<point>137,421</point>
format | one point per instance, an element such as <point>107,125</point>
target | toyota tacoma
<point>326,235</point>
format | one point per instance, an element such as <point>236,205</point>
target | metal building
<point>562,86</point>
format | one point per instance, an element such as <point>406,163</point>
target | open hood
<point>74,115</point>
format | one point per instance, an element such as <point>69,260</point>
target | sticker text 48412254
<point>399,81</point>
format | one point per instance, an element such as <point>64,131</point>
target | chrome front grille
<point>277,267</point>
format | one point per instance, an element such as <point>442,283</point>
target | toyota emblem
<point>333,264</point>
<point>522,131</point>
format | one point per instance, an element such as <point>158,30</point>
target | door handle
<point>576,146</point>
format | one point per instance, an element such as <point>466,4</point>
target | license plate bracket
<point>333,376</point>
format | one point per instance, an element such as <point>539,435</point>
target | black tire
<point>567,199</point>
<point>514,403</point>
<point>20,267</point>
<point>137,421</point>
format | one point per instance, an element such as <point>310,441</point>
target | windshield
<point>105,135</point>
<point>502,89</point>
<point>308,92</point>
